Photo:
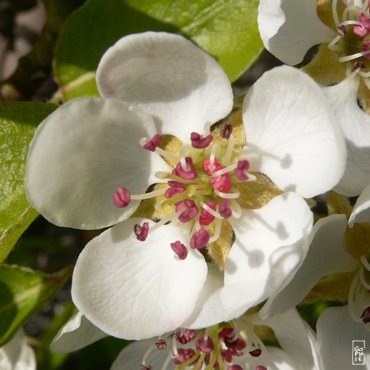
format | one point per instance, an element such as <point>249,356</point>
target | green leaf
<point>22,292</point>
<point>18,122</point>
<point>226,29</point>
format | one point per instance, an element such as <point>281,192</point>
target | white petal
<point>131,357</point>
<point>136,290</point>
<point>17,355</point>
<point>355,124</point>
<point>81,154</point>
<point>290,28</point>
<point>168,77</point>
<point>361,210</point>
<point>326,255</point>
<point>335,332</point>
<point>269,246</point>
<point>77,333</point>
<point>295,337</point>
<point>291,131</point>
<point>209,308</point>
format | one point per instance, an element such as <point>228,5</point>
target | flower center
<point>217,347</point>
<point>200,188</point>
<point>353,36</point>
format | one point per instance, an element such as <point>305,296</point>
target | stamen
<point>175,188</point>
<point>363,279</point>
<point>161,343</point>
<point>166,363</point>
<point>229,150</point>
<point>365,316</point>
<point>190,173</point>
<point>141,232</point>
<point>217,233</point>
<point>151,144</point>
<point>357,66</point>
<point>241,170</point>
<point>225,170</point>
<point>205,344</point>
<point>186,210</point>
<point>145,367</point>
<point>122,197</point>
<point>334,12</point>
<point>224,209</point>
<point>332,44</point>
<point>198,142</point>
<point>183,159</point>
<point>212,157</point>
<point>354,56</point>
<point>184,335</point>
<point>261,367</point>
<point>256,352</point>
<point>170,176</point>
<point>144,363</point>
<point>171,157</point>
<point>227,131</point>
<point>227,195</point>
<point>149,195</point>
<point>236,367</point>
<point>236,209</point>
<point>199,239</point>
<point>208,213</point>
<point>222,183</point>
<point>180,249</point>
<point>183,355</point>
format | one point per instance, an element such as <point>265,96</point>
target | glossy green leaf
<point>18,122</point>
<point>22,292</point>
<point>226,29</point>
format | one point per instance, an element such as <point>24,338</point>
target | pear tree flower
<point>234,345</point>
<point>17,354</point>
<point>289,28</point>
<point>336,247</point>
<point>214,219</point>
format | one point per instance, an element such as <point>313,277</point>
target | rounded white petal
<point>355,125</point>
<point>335,332</point>
<point>17,355</point>
<point>290,28</point>
<point>131,357</point>
<point>291,133</point>
<point>77,333</point>
<point>270,244</point>
<point>170,78</point>
<point>295,337</point>
<point>81,154</point>
<point>326,255</point>
<point>361,209</point>
<point>209,309</point>
<point>136,290</point>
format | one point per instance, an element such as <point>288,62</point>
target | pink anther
<point>200,142</point>
<point>357,65</point>
<point>226,131</point>
<point>183,355</point>
<point>141,231</point>
<point>205,217</point>
<point>175,188</point>
<point>186,210</point>
<point>221,183</point>
<point>153,143</point>
<point>256,352</point>
<point>161,343</point>
<point>365,316</point>
<point>184,335</point>
<point>224,209</point>
<point>211,167</point>
<point>180,249</point>
<point>241,170</point>
<point>205,344</point>
<point>364,29</point>
<point>261,367</point>
<point>199,239</point>
<point>189,174</point>
<point>122,197</point>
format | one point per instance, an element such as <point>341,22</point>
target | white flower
<point>234,345</point>
<point>332,252</point>
<point>17,355</point>
<point>88,167</point>
<point>289,28</point>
